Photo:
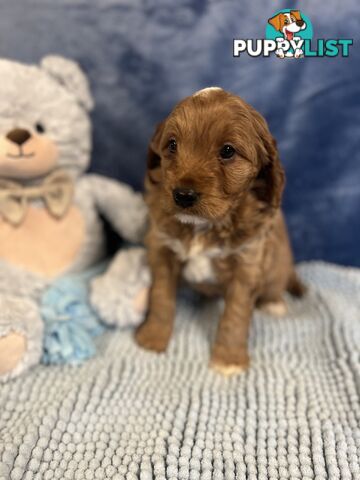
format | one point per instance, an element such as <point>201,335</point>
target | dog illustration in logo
<point>288,24</point>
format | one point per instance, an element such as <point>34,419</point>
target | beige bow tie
<point>56,190</point>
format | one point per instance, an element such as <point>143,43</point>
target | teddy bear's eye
<point>40,127</point>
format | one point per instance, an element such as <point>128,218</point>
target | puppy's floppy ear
<point>296,14</point>
<point>270,180</point>
<point>153,155</point>
<point>277,21</point>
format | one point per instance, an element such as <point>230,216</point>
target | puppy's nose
<point>299,23</point>
<point>18,136</point>
<point>185,197</point>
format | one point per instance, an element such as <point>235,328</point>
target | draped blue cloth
<point>70,325</point>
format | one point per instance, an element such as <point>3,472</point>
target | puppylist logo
<point>289,34</point>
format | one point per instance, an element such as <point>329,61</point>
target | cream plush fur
<point>51,102</point>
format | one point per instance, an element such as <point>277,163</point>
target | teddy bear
<point>50,210</point>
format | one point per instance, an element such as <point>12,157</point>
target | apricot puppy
<point>213,186</point>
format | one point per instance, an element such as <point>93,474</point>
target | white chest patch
<point>198,259</point>
<point>199,269</point>
<point>198,265</point>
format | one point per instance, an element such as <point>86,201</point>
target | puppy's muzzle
<point>185,197</point>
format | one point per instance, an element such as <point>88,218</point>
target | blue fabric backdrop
<point>142,56</point>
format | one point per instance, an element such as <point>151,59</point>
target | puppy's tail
<point>295,286</point>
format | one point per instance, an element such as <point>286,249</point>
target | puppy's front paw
<point>151,335</point>
<point>228,362</point>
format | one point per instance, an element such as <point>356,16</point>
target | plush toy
<point>127,277</point>
<point>50,210</point>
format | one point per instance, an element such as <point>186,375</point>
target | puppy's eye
<point>226,152</point>
<point>172,146</point>
<point>286,21</point>
<point>40,127</point>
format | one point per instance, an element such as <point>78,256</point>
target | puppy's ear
<point>277,21</point>
<point>153,155</point>
<point>269,183</point>
<point>271,177</point>
<point>296,14</point>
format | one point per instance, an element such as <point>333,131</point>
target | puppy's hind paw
<point>276,308</point>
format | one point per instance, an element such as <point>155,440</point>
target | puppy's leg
<point>230,351</point>
<point>155,332</point>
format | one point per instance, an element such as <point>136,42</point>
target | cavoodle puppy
<point>213,186</point>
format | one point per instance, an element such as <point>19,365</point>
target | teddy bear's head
<point>44,118</point>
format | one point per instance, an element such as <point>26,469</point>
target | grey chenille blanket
<point>130,414</point>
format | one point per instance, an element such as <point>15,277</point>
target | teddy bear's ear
<point>69,74</point>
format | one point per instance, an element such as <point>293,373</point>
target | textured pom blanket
<point>130,414</point>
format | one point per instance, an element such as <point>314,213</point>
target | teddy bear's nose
<point>18,136</point>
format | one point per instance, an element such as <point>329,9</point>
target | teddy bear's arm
<point>124,208</point>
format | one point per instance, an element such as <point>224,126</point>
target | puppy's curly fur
<point>230,239</point>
